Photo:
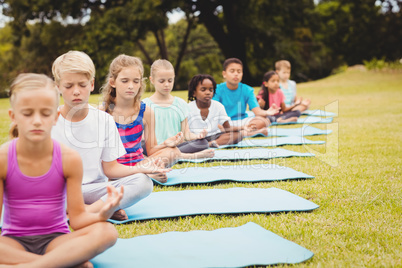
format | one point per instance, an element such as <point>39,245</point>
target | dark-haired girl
<point>270,94</point>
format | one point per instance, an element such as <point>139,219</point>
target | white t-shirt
<point>216,116</point>
<point>95,138</point>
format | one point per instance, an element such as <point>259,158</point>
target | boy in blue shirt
<point>235,96</point>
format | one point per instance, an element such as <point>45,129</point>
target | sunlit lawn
<point>357,178</point>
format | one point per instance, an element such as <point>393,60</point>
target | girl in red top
<point>270,94</point>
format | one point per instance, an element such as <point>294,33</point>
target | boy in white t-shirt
<point>93,133</point>
<point>211,115</point>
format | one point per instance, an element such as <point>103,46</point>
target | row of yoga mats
<point>247,154</point>
<point>237,200</point>
<point>272,142</point>
<point>317,112</point>
<point>242,246</point>
<point>275,131</point>
<point>234,173</point>
<point>247,245</point>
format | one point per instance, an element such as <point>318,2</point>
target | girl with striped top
<point>122,93</point>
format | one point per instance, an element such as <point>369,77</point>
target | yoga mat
<point>318,113</point>
<point>307,120</point>
<point>247,154</point>
<point>239,173</point>
<point>272,142</point>
<point>168,204</point>
<point>247,245</point>
<point>306,112</point>
<point>299,131</point>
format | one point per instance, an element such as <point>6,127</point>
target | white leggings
<point>136,187</point>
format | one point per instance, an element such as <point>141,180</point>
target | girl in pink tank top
<point>38,176</point>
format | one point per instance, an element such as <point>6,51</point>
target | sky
<point>175,15</point>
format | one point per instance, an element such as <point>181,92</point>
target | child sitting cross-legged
<point>270,94</point>
<point>122,99</point>
<point>38,177</point>
<point>206,113</point>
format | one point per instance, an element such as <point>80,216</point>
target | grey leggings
<point>285,115</point>
<point>136,187</point>
<point>193,146</point>
<point>188,147</point>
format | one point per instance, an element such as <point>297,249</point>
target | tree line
<point>315,36</point>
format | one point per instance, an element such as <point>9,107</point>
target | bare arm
<point>188,135</point>
<point>230,128</point>
<point>114,170</point>
<point>79,217</point>
<point>3,171</point>
<point>286,109</point>
<point>150,137</point>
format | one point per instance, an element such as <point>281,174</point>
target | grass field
<point>357,181</point>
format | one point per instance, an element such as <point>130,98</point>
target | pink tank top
<point>34,205</point>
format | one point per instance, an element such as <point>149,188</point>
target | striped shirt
<point>131,135</point>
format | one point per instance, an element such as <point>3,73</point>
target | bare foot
<point>161,177</point>
<point>86,264</point>
<point>290,119</point>
<point>118,215</point>
<point>207,153</point>
<point>263,131</point>
<point>213,144</point>
<point>306,102</point>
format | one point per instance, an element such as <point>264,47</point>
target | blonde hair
<point>282,64</point>
<point>76,62</point>
<point>109,92</point>
<point>160,64</point>
<point>26,82</point>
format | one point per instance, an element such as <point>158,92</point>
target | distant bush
<point>380,64</point>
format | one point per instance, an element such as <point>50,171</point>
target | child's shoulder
<point>4,148</point>
<point>292,82</point>
<point>69,156</point>
<point>179,100</point>
<point>4,159</point>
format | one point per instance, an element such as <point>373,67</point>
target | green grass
<point>357,178</point>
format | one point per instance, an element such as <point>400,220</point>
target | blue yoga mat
<point>318,113</point>
<point>248,154</point>
<point>272,142</point>
<point>307,120</point>
<point>275,131</point>
<point>239,173</point>
<point>169,204</point>
<point>247,245</point>
<point>306,112</point>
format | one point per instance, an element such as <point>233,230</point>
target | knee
<point>237,137</point>
<point>260,122</point>
<point>106,234</point>
<point>140,184</point>
<point>172,154</point>
<point>203,144</point>
<point>147,185</point>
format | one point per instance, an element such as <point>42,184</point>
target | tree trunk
<point>231,42</point>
